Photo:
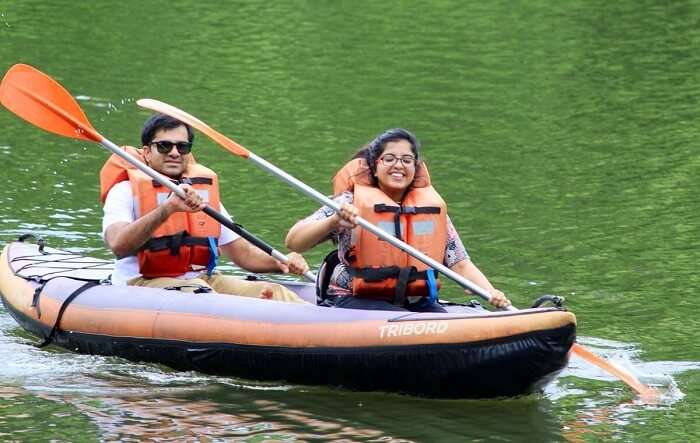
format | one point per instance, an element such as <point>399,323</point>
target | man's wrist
<point>165,210</point>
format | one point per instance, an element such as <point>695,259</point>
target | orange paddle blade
<point>43,102</point>
<point>646,392</point>
<point>164,108</point>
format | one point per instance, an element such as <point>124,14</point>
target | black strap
<point>199,289</point>
<point>379,274</point>
<point>398,210</point>
<point>174,242</point>
<point>401,285</point>
<point>188,181</point>
<point>35,298</point>
<point>397,225</point>
<point>65,304</point>
<point>381,207</point>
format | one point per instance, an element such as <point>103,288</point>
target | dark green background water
<point>563,136</point>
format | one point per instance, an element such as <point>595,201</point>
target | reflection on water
<point>112,400</point>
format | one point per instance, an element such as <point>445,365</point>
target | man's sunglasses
<point>165,146</point>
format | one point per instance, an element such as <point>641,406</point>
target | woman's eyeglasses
<point>391,159</point>
<point>165,146</point>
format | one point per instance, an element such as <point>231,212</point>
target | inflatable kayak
<point>67,299</point>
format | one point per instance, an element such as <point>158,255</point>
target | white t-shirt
<point>120,207</point>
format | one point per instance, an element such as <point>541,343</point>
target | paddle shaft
<point>465,283</point>
<point>238,229</point>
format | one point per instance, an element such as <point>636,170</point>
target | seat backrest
<point>324,275</point>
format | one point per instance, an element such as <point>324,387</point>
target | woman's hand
<point>499,300</point>
<point>346,218</point>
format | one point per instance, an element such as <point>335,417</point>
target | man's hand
<point>192,203</point>
<point>295,265</point>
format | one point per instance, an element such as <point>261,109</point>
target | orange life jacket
<point>186,240</point>
<point>378,269</point>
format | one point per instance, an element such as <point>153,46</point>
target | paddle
<point>240,151</point>
<point>43,102</point>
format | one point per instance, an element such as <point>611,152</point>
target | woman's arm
<point>307,233</point>
<point>467,269</point>
<point>457,259</point>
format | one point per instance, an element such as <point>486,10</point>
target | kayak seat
<point>325,271</point>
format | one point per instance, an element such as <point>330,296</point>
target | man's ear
<point>146,153</point>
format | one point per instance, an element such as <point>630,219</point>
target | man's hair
<point>161,121</point>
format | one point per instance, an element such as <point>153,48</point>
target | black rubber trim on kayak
<point>64,305</point>
<point>493,368</point>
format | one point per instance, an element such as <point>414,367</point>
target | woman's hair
<point>373,150</point>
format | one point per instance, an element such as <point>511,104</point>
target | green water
<point>562,135</point>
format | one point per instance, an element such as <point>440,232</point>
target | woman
<point>387,184</point>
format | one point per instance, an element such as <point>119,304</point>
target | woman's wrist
<point>333,222</point>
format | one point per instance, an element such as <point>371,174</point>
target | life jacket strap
<point>401,285</point>
<point>381,207</point>
<point>432,285</point>
<point>382,273</point>
<point>213,255</point>
<point>174,242</point>
<point>410,210</point>
<point>188,181</point>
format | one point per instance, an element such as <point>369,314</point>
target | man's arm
<point>125,238</point>
<point>244,254</point>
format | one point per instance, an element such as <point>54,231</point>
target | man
<point>161,240</point>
